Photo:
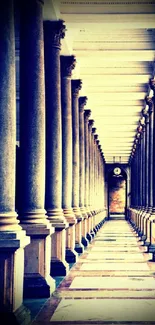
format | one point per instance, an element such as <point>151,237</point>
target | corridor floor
<point>113,282</point>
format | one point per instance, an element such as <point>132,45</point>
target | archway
<point>117,192</point>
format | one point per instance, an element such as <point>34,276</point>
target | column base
<point>71,256</point>
<point>78,214</point>
<point>79,248</point>
<point>85,242</point>
<point>59,268</point>
<point>143,238</point>
<point>153,257</point>
<point>21,316</point>
<point>56,218</point>
<point>36,286</point>
<point>37,280</point>
<point>89,237</point>
<point>70,216</point>
<point>151,249</point>
<point>96,229</point>
<point>147,244</point>
<point>84,213</point>
<point>11,274</point>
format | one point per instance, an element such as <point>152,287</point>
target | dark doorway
<point>117,192</point>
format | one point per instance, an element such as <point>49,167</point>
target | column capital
<point>93,130</point>
<point>98,141</point>
<point>55,31</point>
<point>67,65</point>
<point>141,126</point>
<point>91,123</point>
<point>96,136</point>
<point>87,113</point>
<point>149,102</point>
<point>146,113</point>
<point>152,84</point>
<point>82,103</point>
<point>76,86</point>
<point>100,147</point>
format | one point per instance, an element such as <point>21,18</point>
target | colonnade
<point>57,180</point>
<point>142,210</point>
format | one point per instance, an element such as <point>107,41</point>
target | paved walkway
<point>113,282</point>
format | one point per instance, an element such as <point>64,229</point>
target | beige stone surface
<point>105,310</point>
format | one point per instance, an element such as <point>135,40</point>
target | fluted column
<point>143,223</point>
<point>136,178</point>
<point>54,31</point>
<point>91,163</point>
<point>67,64</point>
<point>143,210</point>
<point>102,205</point>
<point>82,103</point>
<point>140,175</point>
<point>87,114</point>
<point>99,177</point>
<point>101,182</point>
<point>96,173</point>
<point>76,86</point>
<point>149,102</point>
<point>151,221</point>
<point>101,199</point>
<point>32,148</point>
<point>93,172</point>
<point>12,237</point>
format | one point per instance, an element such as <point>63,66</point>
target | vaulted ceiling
<point>114,45</point>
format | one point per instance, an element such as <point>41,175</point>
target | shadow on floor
<point>34,305</point>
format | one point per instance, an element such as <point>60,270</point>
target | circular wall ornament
<point>117,171</point>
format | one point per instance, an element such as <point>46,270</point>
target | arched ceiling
<point>114,44</point>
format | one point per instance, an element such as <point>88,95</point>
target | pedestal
<point>59,266</point>
<point>12,246</point>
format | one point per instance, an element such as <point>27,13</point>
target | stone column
<point>96,175</point>
<point>82,103</point>
<point>37,281</point>
<point>143,223</point>
<point>53,32</point>
<point>87,114</point>
<point>143,161</point>
<point>140,180</point>
<point>12,237</point>
<point>67,64</point>
<point>151,220</point>
<point>76,86</point>
<point>136,157</point>
<point>149,102</point>
<point>99,191</point>
<point>93,176</point>
<point>91,161</point>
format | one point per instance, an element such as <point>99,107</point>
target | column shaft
<point>76,86</point>
<point>67,64</point>
<point>151,221</point>
<point>32,149</point>
<point>82,103</point>
<point>8,221</point>
<point>12,237</point>
<point>87,114</point>
<point>53,32</point>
